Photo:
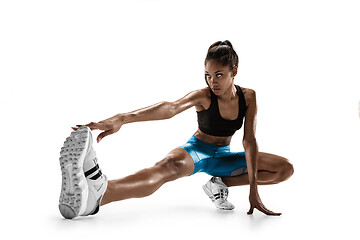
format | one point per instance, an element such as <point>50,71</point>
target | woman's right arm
<point>159,111</point>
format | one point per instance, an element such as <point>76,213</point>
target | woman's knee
<point>177,164</point>
<point>287,170</point>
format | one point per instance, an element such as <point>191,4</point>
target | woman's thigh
<point>271,162</point>
<point>234,164</point>
<point>227,164</point>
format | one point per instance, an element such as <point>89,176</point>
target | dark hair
<point>224,53</point>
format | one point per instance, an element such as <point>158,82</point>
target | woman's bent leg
<point>178,163</point>
<point>272,169</point>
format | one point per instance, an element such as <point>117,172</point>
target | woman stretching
<point>220,107</point>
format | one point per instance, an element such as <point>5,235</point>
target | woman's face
<point>219,78</point>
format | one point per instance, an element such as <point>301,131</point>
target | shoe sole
<point>74,187</point>
<point>211,196</point>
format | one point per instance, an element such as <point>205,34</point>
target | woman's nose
<point>213,82</point>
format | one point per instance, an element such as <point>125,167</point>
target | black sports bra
<point>211,122</point>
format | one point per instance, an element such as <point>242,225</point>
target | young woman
<point>221,107</point>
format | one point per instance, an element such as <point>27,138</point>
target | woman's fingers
<point>262,209</point>
<point>99,126</point>
<point>251,210</point>
<point>77,127</point>
<point>92,126</point>
<point>268,212</point>
<point>104,134</point>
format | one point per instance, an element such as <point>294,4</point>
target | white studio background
<point>72,62</point>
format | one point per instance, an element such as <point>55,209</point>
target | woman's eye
<point>218,75</point>
<point>207,76</point>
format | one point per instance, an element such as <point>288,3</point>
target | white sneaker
<point>74,187</point>
<point>83,183</point>
<point>218,193</point>
<point>97,182</point>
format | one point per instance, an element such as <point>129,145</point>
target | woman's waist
<point>213,140</point>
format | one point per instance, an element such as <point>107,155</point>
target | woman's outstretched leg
<point>272,169</point>
<point>176,164</point>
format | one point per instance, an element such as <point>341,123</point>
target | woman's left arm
<point>251,155</point>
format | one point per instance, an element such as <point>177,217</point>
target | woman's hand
<point>255,202</point>
<point>109,126</point>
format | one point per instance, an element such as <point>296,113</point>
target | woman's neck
<point>229,94</point>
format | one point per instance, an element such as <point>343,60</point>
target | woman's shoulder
<point>249,94</point>
<point>204,97</point>
<point>247,91</point>
<point>202,93</point>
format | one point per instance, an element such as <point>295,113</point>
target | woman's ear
<point>234,71</point>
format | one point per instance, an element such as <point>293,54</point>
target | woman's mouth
<point>216,89</point>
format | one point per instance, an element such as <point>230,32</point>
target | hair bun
<point>227,43</point>
<point>223,43</point>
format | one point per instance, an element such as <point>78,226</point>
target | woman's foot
<point>97,183</point>
<point>83,184</point>
<point>218,192</point>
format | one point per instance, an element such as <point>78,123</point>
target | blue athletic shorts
<point>215,160</point>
